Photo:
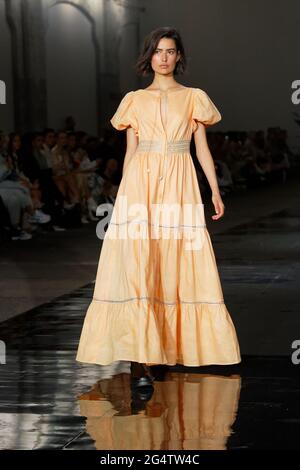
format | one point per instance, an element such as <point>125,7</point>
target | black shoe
<point>140,397</point>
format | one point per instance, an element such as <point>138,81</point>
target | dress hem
<point>164,363</point>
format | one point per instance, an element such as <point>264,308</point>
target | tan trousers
<point>67,186</point>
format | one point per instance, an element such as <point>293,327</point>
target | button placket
<point>164,102</point>
<point>163,99</point>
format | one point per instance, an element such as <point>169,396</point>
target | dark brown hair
<point>143,64</point>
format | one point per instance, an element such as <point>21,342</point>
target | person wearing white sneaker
<point>19,234</point>
<point>39,217</point>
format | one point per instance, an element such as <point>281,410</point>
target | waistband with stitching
<point>176,146</point>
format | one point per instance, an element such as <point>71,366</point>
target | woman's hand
<point>218,205</point>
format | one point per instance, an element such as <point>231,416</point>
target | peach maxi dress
<point>158,297</point>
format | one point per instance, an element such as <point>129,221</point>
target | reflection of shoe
<point>140,375</point>
<point>142,394</point>
<point>140,398</point>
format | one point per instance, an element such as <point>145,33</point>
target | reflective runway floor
<point>49,401</point>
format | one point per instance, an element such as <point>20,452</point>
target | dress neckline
<point>173,89</point>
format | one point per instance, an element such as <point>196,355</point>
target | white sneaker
<point>39,217</point>
<point>22,235</point>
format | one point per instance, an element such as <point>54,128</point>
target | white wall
<point>71,75</point>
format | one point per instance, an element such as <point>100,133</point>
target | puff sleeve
<point>125,115</point>
<point>204,110</point>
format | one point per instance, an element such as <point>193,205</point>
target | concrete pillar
<point>26,21</point>
<point>14,19</point>
<point>35,63</point>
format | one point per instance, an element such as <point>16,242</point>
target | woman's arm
<point>131,146</point>
<point>207,163</point>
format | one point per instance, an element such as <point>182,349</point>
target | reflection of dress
<point>186,411</point>
<point>157,300</point>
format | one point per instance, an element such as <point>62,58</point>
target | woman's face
<point>165,57</point>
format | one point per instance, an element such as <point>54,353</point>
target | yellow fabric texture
<point>158,299</point>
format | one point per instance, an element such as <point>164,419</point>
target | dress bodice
<point>172,115</point>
